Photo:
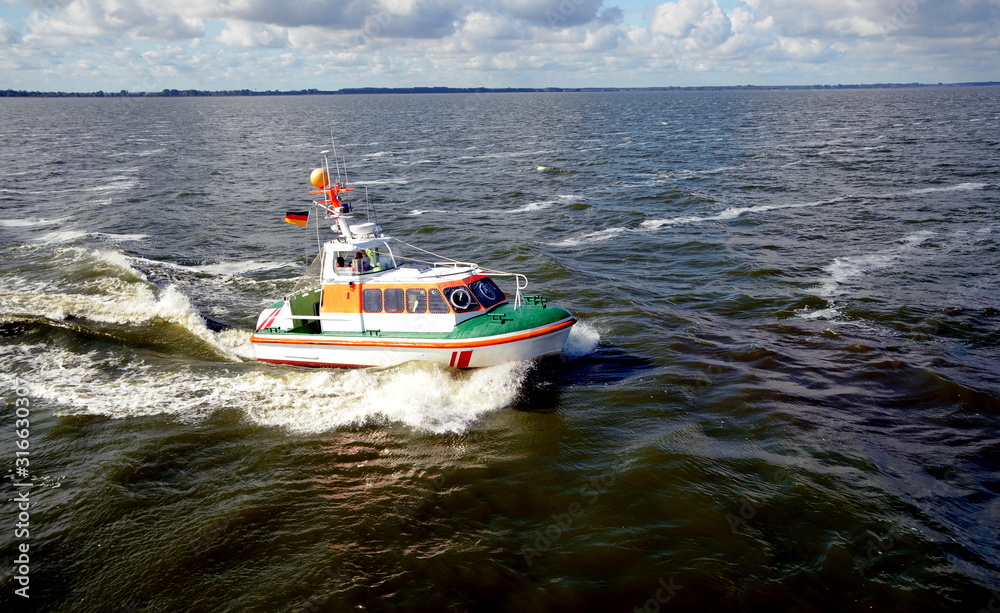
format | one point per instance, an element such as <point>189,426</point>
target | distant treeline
<point>182,93</point>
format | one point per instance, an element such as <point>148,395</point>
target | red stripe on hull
<point>270,320</point>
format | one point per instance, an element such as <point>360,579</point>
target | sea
<point>783,392</point>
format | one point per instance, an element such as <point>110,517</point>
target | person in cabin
<point>340,261</point>
<point>361,263</point>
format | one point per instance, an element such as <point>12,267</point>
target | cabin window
<point>487,292</point>
<point>436,302</point>
<point>461,299</point>
<point>416,300</point>
<point>371,300</point>
<point>393,300</point>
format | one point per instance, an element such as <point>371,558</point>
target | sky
<point>151,45</point>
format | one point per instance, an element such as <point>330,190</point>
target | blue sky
<point>150,45</point>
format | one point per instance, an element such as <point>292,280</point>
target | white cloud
<point>677,19</point>
<point>194,43</point>
<point>251,35</point>
<point>88,20</point>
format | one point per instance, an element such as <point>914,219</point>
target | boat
<point>368,305</point>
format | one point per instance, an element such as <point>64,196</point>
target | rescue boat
<point>369,305</point>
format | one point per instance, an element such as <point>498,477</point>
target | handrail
<point>518,277</point>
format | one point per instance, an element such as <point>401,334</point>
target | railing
<point>518,278</point>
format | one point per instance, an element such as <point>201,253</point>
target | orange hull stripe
<point>424,344</point>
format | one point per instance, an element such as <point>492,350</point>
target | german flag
<point>299,218</point>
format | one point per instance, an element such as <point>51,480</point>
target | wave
<point>554,170</point>
<point>534,206</point>
<point>420,395</point>
<point>231,269</point>
<point>844,269</point>
<point>829,313</point>
<point>731,213</point>
<point>593,237</point>
<point>71,236</point>
<point>26,223</point>
<point>583,340</point>
<point>116,184</point>
<point>736,212</point>
<point>134,309</point>
<point>961,187</point>
<point>104,289</point>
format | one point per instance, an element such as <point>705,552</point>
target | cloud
<point>678,19</point>
<point>347,14</point>
<point>88,20</point>
<point>870,18</point>
<point>552,13</point>
<point>193,43</point>
<point>250,35</point>
<point>8,34</point>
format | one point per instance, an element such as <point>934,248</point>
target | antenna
<point>336,162</point>
<point>345,170</point>
<point>373,212</point>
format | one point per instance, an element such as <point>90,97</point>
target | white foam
<point>418,394</point>
<point>730,213</point>
<point>593,237</point>
<point>116,184</point>
<point>230,269</point>
<point>735,212</point>
<point>128,301</point>
<point>62,236</point>
<point>843,269</point>
<point>961,187</point>
<point>583,340</point>
<point>656,224</point>
<point>69,236</point>
<point>120,238</point>
<point>116,258</point>
<point>416,212</point>
<point>219,269</point>
<point>24,223</point>
<point>828,313</point>
<point>534,206</point>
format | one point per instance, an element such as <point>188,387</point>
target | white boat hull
<point>360,352</point>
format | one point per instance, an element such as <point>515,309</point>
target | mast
<point>335,208</point>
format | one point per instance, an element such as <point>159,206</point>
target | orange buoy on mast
<point>320,178</point>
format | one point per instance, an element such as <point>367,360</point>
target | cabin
<point>364,287</point>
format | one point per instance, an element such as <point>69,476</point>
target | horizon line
<point>172,92</point>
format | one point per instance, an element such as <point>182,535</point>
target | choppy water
<point>783,394</point>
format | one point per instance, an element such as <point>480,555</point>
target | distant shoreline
<point>194,93</point>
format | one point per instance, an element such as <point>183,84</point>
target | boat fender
<point>460,299</point>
